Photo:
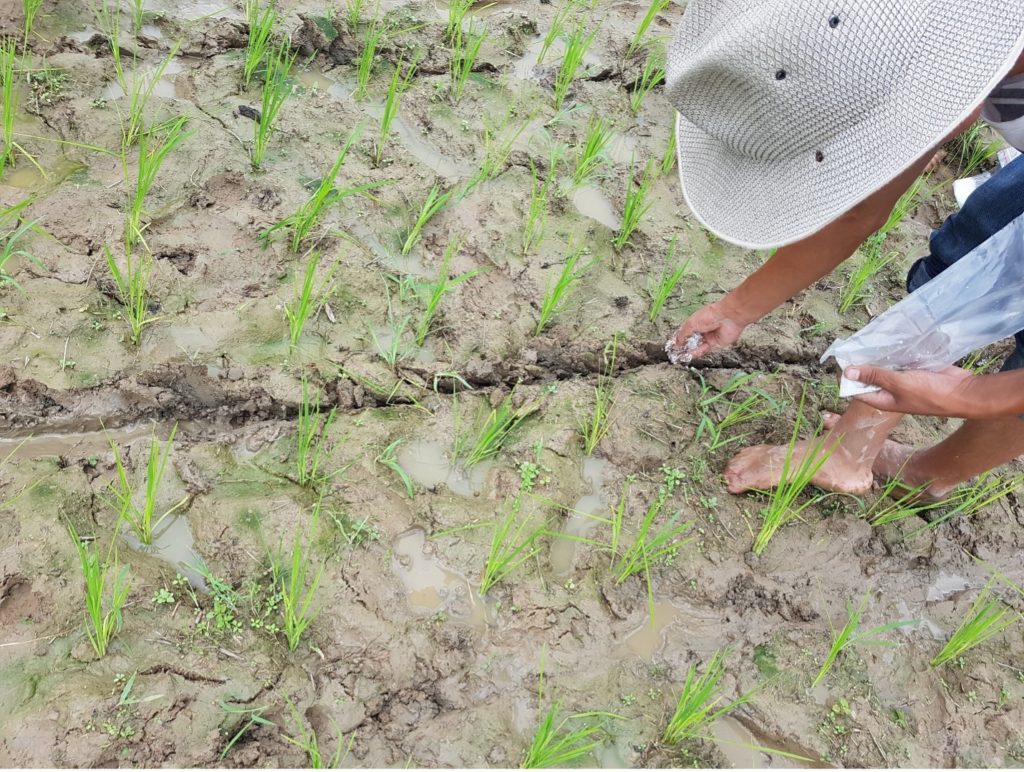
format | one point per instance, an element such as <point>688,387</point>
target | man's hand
<point>919,392</point>
<point>717,326</point>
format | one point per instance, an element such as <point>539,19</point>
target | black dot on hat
<point>819,156</point>
<point>780,75</point>
<point>834,22</point>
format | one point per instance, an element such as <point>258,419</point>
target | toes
<point>830,419</point>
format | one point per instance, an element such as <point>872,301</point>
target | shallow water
<point>430,586</point>
<point>426,462</point>
<point>593,203</point>
<point>580,521</point>
<point>173,543</point>
<point>648,639</point>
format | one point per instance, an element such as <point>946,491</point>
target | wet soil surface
<point>406,659</point>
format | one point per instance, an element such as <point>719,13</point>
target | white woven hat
<point>793,111</point>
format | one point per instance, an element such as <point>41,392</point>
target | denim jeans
<point>988,210</point>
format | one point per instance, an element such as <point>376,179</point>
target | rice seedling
<point>132,283</point>
<point>444,284</point>
<point>857,288</point>
<point>700,702</point>
<point>496,428</point>
<point>757,404</point>
<point>906,204</point>
<point>515,538</point>
<point>354,11</point>
<point>311,439</point>
<point>249,717</point>
<point>653,543</point>
<point>396,90</point>
<point>138,9</point>
<point>364,64</point>
<point>849,636</point>
<point>436,201</point>
<point>973,498</point>
<point>556,298</point>
<point>137,84</point>
<point>457,12</point>
<point>143,518</point>
<point>303,221</point>
<point>465,51</point>
<point>596,426</point>
<point>309,297</point>
<point>556,30</point>
<point>651,75</point>
<point>276,89</point>
<point>577,44</point>
<point>671,275</point>
<point>656,7</point>
<point>987,617</point>
<point>388,458</point>
<point>106,591</point>
<point>537,212</point>
<point>31,9</point>
<point>668,160</point>
<point>975,150</point>
<point>897,502</point>
<point>592,154</point>
<point>305,739</point>
<point>390,343</point>
<point>263,22</point>
<point>796,477</point>
<point>154,147</point>
<point>554,744</point>
<point>498,146</point>
<point>10,240</point>
<point>9,94</point>
<point>298,584</point>
<point>637,205</point>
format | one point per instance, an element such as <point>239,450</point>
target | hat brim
<point>760,204</point>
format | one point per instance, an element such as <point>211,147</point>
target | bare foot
<point>896,460</point>
<point>760,468</point>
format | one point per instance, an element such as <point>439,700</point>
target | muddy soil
<point>406,660</point>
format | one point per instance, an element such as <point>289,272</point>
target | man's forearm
<point>795,267</point>
<point>993,396</point>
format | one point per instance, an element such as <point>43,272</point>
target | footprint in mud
<point>430,587</point>
<point>426,462</point>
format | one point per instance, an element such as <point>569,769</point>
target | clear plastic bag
<point>976,301</point>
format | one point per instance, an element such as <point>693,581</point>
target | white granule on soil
<point>683,355</point>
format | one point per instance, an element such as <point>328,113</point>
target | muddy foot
<point>760,468</point>
<point>895,460</point>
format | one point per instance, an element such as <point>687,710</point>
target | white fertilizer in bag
<point>977,301</point>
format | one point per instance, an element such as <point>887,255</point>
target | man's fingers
<point>874,376</point>
<point>879,400</point>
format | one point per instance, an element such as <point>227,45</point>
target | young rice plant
<point>276,89</point>
<point>263,22</point>
<point>988,617</point>
<point>796,477</point>
<point>670,277</point>
<point>309,297</point>
<point>597,425</point>
<point>638,203</point>
<point>106,591</point>
<point>311,439</point>
<point>556,298</point>
<point>515,538</point>
<point>298,583</point>
<point>577,44</point>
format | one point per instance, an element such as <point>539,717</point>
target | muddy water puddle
<point>593,203</point>
<point>193,10</point>
<point>426,462</point>
<point>648,639</point>
<point>430,587</point>
<point>81,444</point>
<point>174,544</point>
<point>166,86</point>
<point>582,520</point>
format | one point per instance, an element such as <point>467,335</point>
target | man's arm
<point>952,393</point>
<point>794,268</point>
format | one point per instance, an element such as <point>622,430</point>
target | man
<point>801,123</point>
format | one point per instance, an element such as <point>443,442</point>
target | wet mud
<point>406,657</point>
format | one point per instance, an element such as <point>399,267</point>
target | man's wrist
<point>737,306</point>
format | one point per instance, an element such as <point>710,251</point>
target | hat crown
<point>774,79</point>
